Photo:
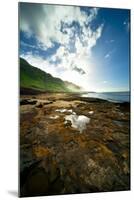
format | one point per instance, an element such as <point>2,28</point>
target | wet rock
<point>120,123</point>
<point>56,187</point>
<point>39,105</point>
<point>27,101</point>
<point>57,159</point>
<point>37,183</point>
<point>113,147</point>
<point>54,173</point>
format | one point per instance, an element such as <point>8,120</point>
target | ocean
<point>110,96</point>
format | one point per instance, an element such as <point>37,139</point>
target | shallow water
<point>54,117</point>
<point>120,123</point>
<point>63,110</point>
<point>91,112</point>
<point>78,121</point>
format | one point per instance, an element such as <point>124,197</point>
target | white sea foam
<point>78,121</point>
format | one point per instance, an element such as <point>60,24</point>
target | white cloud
<point>39,62</point>
<point>65,73</point>
<point>45,21</point>
<point>30,45</point>
<point>107,55</point>
<point>81,58</point>
<point>110,53</point>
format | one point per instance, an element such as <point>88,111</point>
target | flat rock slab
<point>65,160</point>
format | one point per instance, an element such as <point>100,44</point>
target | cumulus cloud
<point>45,21</point>
<point>64,73</point>
<point>71,28</point>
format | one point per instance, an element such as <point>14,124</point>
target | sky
<point>84,45</point>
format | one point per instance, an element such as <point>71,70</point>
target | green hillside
<point>34,78</point>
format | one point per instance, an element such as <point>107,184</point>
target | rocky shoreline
<point>71,144</point>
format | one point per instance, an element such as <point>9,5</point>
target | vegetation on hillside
<point>34,78</point>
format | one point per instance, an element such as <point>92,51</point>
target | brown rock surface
<point>55,158</point>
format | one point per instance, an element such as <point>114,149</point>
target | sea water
<point>110,96</point>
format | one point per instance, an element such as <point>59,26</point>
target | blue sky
<point>83,45</point>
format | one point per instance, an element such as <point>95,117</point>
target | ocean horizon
<point>110,96</point>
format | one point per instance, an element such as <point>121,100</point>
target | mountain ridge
<point>34,78</point>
